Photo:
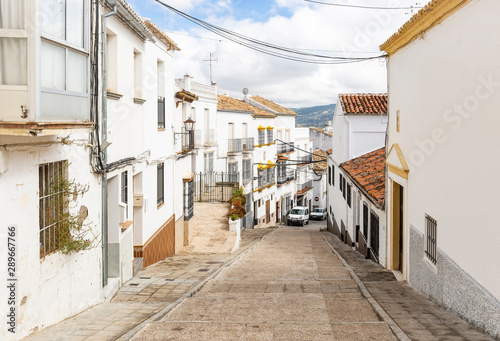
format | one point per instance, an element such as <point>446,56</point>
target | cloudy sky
<point>298,24</point>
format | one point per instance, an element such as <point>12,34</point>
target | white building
<point>303,159</point>
<point>320,179</point>
<point>359,125</point>
<point>45,125</point>
<point>356,203</point>
<point>443,75</point>
<point>322,138</point>
<point>141,213</point>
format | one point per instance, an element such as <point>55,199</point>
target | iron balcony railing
<point>161,112</point>
<point>247,143</point>
<point>187,140</point>
<point>304,160</point>
<point>282,179</point>
<point>234,146</point>
<point>305,186</point>
<point>247,175</point>
<point>285,147</point>
<point>188,200</point>
<point>290,175</point>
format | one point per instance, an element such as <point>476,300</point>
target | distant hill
<point>314,116</point>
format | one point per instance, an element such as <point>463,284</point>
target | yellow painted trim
<point>270,128</point>
<point>261,128</point>
<point>401,157</point>
<point>398,171</point>
<point>433,14</point>
<point>270,164</point>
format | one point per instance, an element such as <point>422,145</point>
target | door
<point>268,211</point>
<point>277,212</point>
<point>397,227</point>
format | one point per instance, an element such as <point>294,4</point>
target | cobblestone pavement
<point>417,317</point>
<point>151,294</point>
<point>291,286</point>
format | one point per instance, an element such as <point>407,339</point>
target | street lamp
<point>189,130</point>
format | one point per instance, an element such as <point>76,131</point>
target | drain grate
<point>144,277</point>
<point>133,284</point>
<point>214,262</point>
<point>203,270</point>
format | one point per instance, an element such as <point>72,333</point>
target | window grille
<point>349,195</point>
<point>52,204</point>
<point>330,175</point>
<point>124,187</point>
<point>161,112</point>
<point>333,175</point>
<point>188,200</point>
<point>233,172</point>
<point>340,182</point>
<point>262,137</point>
<point>431,238</point>
<point>270,136</point>
<point>160,187</point>
<point>365,220</point>
<point>247,171</point>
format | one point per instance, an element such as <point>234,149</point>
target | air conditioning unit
<point>122,213</point>
<point>138,200</point>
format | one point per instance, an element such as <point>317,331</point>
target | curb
<point>400,334</point>
<point>164,311</point>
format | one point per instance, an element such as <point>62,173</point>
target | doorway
<point>268,211</point>
<point>397,227</point>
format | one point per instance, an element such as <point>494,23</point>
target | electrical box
<point>4,161</point>
<point>138,200</point>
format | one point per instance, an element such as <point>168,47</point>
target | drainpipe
<point>105,154</point>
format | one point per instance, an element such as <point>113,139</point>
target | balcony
<point>290,175</point>
<point>304,160</point>
<point>247,144</point>
<point>285,147</point>
<point>209,137</point>
<point>187,140</point>
<point>302,188</point>
<point>234,146</point>
<point>282,179</point>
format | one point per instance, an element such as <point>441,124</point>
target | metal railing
<point>234,146</point>
<point>187,140</point>
<point>188,200</point>
<point>304,160</point>
<point>285,147</point>
<point>305,186</point>
<point>247,143</point>
<point>161,112</point>
<point>214,187</point>
<point>290,175</point>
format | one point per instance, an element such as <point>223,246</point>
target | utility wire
<point>268,48</point>
<point>363,7</point>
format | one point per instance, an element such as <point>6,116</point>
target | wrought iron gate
<point>374,228</point>
<point>214,186</point>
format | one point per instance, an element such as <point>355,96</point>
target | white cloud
<point>312,27</point>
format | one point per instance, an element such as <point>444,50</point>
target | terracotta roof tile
<point>319,156</point>
<point>273,106</point>
<point>160,34</point>
<point>229,103</point>
<point>369,172</point>
<point>364,104</point>
<point>329,151</point>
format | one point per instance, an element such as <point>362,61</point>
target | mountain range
<point>316,116</point>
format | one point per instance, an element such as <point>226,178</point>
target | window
<point>365,220</point>
<point>188,200</point>
<point>137,74</point>
<point>13,51</point>
<point>270,136</point>
<point>160,77</point>
<point>124,188</point>
<point>64,20</point>
<point>343,187</point>
<point>349,195</point>
<point>431,238</point>
<point>160,184</point>
<point>340,182</point>
<point>333,175</point>
<point>233,172</point>
<point>262,137</point>
<point>52,205</point>
<point>271,173</point>
<point>247,170</point>
<point>161,112</point>
<point>330,175</point>
<point>209,162</point>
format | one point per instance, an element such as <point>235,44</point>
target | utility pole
<point>211,59</point>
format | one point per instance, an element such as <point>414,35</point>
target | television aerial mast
<point>211,59</point>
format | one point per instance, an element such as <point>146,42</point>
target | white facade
<point>356,134</point>
<point>443,115</point>
<point>303,158</point>
<point>51,127</point>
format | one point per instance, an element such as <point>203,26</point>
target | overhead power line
<point>363,7</point>
<point>269,48</point>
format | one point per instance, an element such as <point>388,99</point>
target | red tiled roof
<point>369,172</point>
<point>329,151</point>
<point>364,104</point>
<point>319,158</point>
<point>228,103</point>
<point>273,106</point>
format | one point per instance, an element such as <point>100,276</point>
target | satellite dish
<point>245,91</point>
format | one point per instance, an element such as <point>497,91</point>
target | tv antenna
<point>211,59</point>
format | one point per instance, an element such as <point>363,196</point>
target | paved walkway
<point>150,295</point>
<point>211,229</point>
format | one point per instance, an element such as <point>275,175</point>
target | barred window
<point>270,136</point>
<point>333,175</point>
<point>330,175</point>
<point>431,238</point>
<point>188,200</point>
<point>262,137</point>
<point>124,187</point>
<point>160,184</point>
<point>349,195</point>
<point>52,204</point>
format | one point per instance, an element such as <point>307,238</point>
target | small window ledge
<point>126,225</point>
<point>138,100</point>
<point>113,95</point>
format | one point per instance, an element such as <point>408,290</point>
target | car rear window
<point>296,211</point>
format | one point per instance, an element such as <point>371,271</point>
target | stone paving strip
<point>291,286</point>
<point>417,317</point>
<point>152,293</point>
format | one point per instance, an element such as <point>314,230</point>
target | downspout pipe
<point>104,191</point>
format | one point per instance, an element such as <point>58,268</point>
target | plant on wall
<point>237,209</point>
<point>70,233</point>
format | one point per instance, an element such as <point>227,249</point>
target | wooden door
<point>268,211</point>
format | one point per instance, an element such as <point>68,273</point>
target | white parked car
<point>318,214</point>
<point>299,215</point>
